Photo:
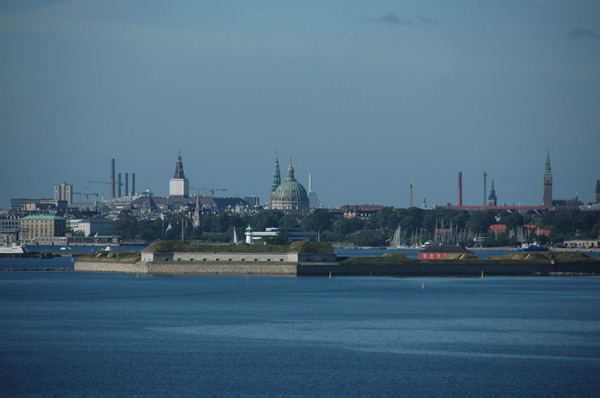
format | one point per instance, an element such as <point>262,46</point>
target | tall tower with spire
<point>547,198</point>
<point>179,185</point>
<point>597,198</point>
<point>276,177</point>
<point>197,219</point>
<point>492,199</point>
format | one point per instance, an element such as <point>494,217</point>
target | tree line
<point>377,230</point>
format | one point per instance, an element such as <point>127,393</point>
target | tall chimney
<point>460,189</point>
<point>126,184</point>
<point>112,178</point>
<point>119,190</point>
<point>484,186</point>
<point>132,184</point>
<point>309,183</point>
<point>410,195</point>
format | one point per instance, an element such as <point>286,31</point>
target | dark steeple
<point>598,191</point>
<point>492,200</point>
<point>179,167</point>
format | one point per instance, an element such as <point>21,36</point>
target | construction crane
<point>212,190</point>
<point>112,190</point>
<point>86,194</point>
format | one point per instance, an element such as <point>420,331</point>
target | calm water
<point>66,332</point>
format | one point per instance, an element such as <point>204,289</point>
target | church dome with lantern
<point>289,196</point>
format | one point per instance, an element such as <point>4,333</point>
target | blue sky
<point>366,96</point>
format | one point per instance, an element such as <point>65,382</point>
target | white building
<point>179,185</point>
<point>92,226</point>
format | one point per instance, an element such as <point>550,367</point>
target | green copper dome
<point>291,190</point>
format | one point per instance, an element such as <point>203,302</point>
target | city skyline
<point>365,97</point>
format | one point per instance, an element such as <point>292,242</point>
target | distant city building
<point>440,252</point>
<point>42,225</point>
<point>492,200</point>
<point>179,185</point>
<point>64,191</point>
<point>294,234</point>
<point>547,198</point>
<point>597,199</point>
<point>290,196</point>
<point>92,226</point>
<point>313,199</point>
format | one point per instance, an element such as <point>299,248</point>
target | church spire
<point>290,172</point>
<point>548,169</point>
<point>179,167</point>
<point>276,173</point>
<point>492,199</point>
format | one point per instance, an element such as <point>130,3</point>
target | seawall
<point>324,269</point>
<point>458,270</point>
<point>189,268</point>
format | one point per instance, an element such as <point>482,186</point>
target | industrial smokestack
<point>410,194</point>
<point>126,184</point>
<point>484,186</point>
<point>119,185</point>
<point>460,189</point>
<point>112,178</point>
<point>309,183</point>
<point>132,184</point>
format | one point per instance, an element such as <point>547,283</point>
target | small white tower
<point>248,234</point>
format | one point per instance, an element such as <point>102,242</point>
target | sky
<point>365,96</point>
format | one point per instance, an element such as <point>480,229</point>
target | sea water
<point>85,333</point>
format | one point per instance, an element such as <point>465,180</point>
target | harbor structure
<point>547,198</point>
<point>179,186</point>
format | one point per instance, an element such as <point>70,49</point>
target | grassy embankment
<point>170,246</point>
<point>121,256</point>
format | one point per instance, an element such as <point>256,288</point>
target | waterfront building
<point>547,198</point>
<point>41,226</point>
<point>441,252</point>
<point>293,234</point>
<point>92,226</point>
<point>63,191</point>
<point>290,196</point>
<point>179,185</point>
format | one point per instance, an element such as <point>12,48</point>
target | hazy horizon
<point>366,97</point>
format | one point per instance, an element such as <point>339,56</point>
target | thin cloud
<point>581,33</point>
<point>392,18</point>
